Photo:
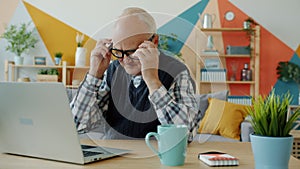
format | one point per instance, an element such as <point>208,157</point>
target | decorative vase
<point>271,152</point>
<point>18,60</point>
<point>210,42</point>
<point>80,56</point>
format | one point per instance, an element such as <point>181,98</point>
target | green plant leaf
<point>269,115</point>
<point>288,71</point>
<point>20,38</point>
<point>164,41</point>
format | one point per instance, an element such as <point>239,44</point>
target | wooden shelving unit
<point>254,58</point>
<point>66,78</point>
<point>230,82</point>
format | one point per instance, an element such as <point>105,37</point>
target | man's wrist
<point>153,85</point>
<point>92,80</point>
<point>96,74</point>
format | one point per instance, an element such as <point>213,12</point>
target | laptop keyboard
<point>90,153</point>
<point>88,146</point>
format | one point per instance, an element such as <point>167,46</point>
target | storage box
<point>296,148</point>
<point>238,50</point>
<point>46,78</point>
<point>296,143</point>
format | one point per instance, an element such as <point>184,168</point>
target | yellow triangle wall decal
<point>57,36</point>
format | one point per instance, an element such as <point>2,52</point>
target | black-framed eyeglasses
<point>118,53</point>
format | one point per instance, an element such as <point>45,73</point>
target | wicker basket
<point>46,78</point>
<point>296,143</point>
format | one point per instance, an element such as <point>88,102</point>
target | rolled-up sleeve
<point>85,105</point>
<point>178,104</point>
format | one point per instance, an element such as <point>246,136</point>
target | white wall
<point>281,18</point>
<point>22,16</point>
<point>90,15</point>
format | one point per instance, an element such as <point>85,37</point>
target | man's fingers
<point>100,50</point>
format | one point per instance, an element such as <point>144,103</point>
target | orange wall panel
<point>272,50</point>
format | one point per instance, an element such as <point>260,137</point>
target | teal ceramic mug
<point>172,144</point>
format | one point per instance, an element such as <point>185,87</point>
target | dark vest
<point>130,113</point>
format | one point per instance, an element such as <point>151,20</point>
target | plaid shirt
<point>174,106</point>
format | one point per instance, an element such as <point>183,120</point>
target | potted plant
<point>80,55</point>
<point>271,141</point>
<point>57,58</point>
<point>288,72</point>
<point>20,39</point>
<point>248,23</point>
<point>164,44</point>
<point>47,75</point>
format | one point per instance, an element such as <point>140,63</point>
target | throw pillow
<point>223,118</point>
<point>202,100</point>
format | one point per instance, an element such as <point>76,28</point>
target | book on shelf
<point>213,75</point>
<point>247,100</point>
<point>215,158</point>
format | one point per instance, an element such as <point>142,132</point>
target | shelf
<point>78,67</point>
<point>50,66</point>
<point>230,82</point>
<point>66,71</point>
<point>225,56</point>
<point>36,66</point>
<point>225,29</point>
<point>72,86</point>
<point>253,58</point>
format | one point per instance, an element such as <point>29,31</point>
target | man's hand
<point>100,58</point>
<point>148,55</point>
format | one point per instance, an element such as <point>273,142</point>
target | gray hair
<point>142,15</point>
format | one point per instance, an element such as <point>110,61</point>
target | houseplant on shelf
<point>164,45</point>
<point>47,75</point>
<point>80,55</point>
<point>271,141</point>
<point>248,23</point>
<point>288,72</point>
<point>57,58</point>
<point>248,26</point>
<point>20,39</point>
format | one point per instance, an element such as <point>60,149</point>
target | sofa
<point>245,126</point>
<point>210,103</point>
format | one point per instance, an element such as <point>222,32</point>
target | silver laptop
<point>36,121</point>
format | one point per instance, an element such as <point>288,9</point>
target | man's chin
<point>133,72</point>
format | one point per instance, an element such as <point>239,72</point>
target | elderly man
<point>128,97</point>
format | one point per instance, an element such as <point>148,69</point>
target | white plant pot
<point>18,60</point>
<point>80,56</point>
<point>57,61</point>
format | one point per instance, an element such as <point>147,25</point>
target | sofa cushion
<point>202,100</point>
<point>223,118</point>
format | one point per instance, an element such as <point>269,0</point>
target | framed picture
<point>39,60</point>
